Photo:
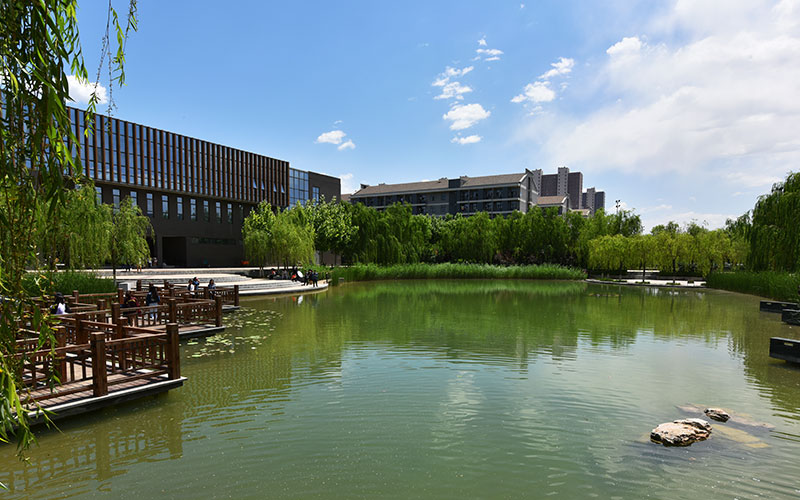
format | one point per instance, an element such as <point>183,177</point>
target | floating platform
<point>785,349</point>
<point>123,391</point>
<point>776,307</point>
<point>791,316</point>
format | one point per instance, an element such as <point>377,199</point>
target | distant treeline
<point>603,243</point>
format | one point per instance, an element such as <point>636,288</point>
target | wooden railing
<point>102,362</point>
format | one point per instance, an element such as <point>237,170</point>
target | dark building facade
<point>196,193</point>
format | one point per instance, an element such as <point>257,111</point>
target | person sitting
<point>130,304</point>
<point>60,306</point>
<point>191,287</point>
<point>212,288</point>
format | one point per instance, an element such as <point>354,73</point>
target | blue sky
<point>684,110</point>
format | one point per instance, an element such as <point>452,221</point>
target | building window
<point>165,206</point>
<point>149,204</point>
<point>115,198</point>
<point>298,187</point>
<point>179,206</point>
<point>134,199</point>
<point>99,192</point>
<point>193,209</point>
<point>230,213</point>
<point>218,210</point>
<point>315,193</point>
<point>206,214</point>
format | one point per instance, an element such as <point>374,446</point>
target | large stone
<point>717,414</point>
<point>681,432</point>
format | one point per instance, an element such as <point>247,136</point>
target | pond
<point>448,389</point>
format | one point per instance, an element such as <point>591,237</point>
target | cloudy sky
<point>683,110</point>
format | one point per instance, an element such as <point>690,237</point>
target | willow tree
<point>775,229</point>
<point>39,45</point>
<point>128,230</point>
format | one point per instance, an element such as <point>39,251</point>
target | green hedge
<point>67,281</point>
<point>367,272</point>
<point>773,285</point>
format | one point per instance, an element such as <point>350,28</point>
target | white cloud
<point>453,89</point>
<point>464,116</point>
<point>337,122</point>
<point>482,42</point>
<point>628,45</point>
<point>81,92</point>
<point>536,92</point>
<point>346,145</point>
<point>561,67</point>
<point>540,91</point>
<point>332,137</point>
<point>490,52</point>
<point>490,59</point>
<point>710,220</point>
<point>449,73</point>
<point>470,139</point>
<point>695,92</point>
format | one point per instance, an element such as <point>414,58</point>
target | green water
<point>440,390</point>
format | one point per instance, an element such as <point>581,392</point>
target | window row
<point>221,212</point>
<point>119,151</point>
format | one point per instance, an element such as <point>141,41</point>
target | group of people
<point>194,286</point>
<point>311,277</point>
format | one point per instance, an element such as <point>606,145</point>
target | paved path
<point>222,276</point>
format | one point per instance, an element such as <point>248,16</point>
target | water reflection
<point>443,389</point>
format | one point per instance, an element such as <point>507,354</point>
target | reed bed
<point>768,284</point>
<point>370,272</point>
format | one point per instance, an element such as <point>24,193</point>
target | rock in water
<point>717,414</point>
<point>681,432</point>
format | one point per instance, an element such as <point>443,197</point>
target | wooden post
<point>122,321</point>
<point>99,375</point>
<point>173,310</point>
<point>173,352</point>
<point>81,336</point>
<point>101,304</point>
<point>61,341</point>
<point>138,285</point>
<point>75,295</point>
<point>120,296</point>
<point>236,295</point>
<point>218,309</point>
<point>172,291</point>
<point>205,293</point>
<point>166,283</point>
<point>114,312</point>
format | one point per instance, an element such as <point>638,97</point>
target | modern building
<point>196,193</point>
<point>495,194</point>
<point>566,183</point>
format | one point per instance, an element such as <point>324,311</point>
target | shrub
<point>67,281</point>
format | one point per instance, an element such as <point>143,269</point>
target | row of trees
<point>773,230</point>
<point>396,236</point>
<point>605,243</point>
<point>695,250</point>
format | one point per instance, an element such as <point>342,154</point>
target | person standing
<point>153,300</point>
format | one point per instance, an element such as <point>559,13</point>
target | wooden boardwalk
<point>138,349</point>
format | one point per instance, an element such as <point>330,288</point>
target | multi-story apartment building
<point>495,194</point>
<point>566,183</point>
<point>196,193</point>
